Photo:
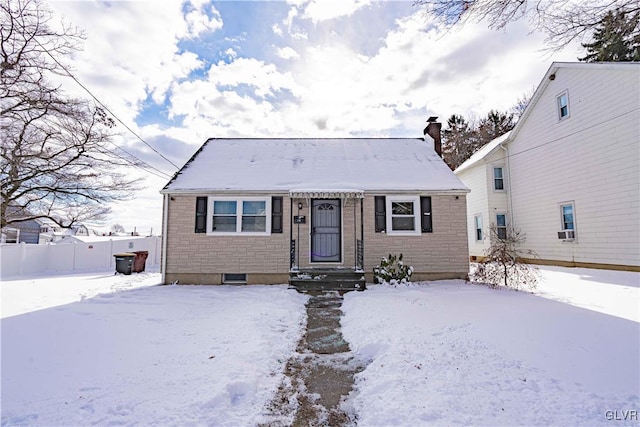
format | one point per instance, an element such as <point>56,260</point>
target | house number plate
<point>299,219</point>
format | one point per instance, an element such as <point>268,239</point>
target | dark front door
<point>325,230</point>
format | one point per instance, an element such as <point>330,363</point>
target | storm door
<point>325,230</point>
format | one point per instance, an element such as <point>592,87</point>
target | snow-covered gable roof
<point>482,153</point>
<point>282,165</point>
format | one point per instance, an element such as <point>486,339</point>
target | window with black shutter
<point>201,215</point>
<point>276,214</point>
<point>380,214</point>
<point>427,220</point>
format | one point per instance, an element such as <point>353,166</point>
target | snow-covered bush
<point>392,271</point>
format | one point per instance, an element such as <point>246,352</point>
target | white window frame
<point>239,205</point>
<point>506,224</point>
<point>475,228</point>
<point>417,226</point>
<point>573,213</point>
<point>564,93</point>
<point>493,178</point>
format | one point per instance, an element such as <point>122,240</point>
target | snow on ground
<point>611,292</point>
<point>152,355</point>
<point>36,292</point>
<point>452,353</point>
<point>102,349</point>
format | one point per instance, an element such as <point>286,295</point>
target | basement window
<point>231,278</point>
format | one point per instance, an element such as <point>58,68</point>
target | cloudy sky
<point>178,73</point>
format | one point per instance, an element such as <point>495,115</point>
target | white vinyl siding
<point>592,160</point>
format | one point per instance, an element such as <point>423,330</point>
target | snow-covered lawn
<point>151,355</point>
<point>450,353</point>
<point>104,349</point>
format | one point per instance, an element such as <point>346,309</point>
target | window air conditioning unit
<point>566,235</point>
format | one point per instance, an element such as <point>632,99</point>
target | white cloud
<point>231,53</point>
<point>126,57</point>
<point>322,10</point>
<point>323,89</point>
<point>198,20</point>
<point>287,53</point>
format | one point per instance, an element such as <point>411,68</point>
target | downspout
<point>362,230</point>
<point>165,228</point>
<point>291,232</point>
<point>355,237</point>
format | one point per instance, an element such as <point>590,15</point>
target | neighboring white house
<point>568,174</point>
<point>51,233</point>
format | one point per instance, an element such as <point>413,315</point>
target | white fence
<point>24,259</point>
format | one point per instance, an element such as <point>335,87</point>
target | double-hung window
<point>568,223</point>
<point>404,215</point>
<point>498,178</point>
<point>563,105</point>
<point>501,226</point>
<point>478,226</point>
<point>241,215</point>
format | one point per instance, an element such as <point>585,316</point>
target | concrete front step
<point>327,280</point>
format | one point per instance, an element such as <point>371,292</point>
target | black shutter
<point>381,214</point>
<point>201,214</point>
<point>276,214</point>
<point>425,209</point>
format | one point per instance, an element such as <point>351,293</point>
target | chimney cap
<point>432,119</point>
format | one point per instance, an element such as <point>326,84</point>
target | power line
<point>109,111</point>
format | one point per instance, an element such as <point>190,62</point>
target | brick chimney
<point>433,130</point>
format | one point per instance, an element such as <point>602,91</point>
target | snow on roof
<point>482,152</point>
<point>315,164</point>
<point>96,239</point>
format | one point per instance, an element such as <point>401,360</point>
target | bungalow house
<point>568,174</point>
<point>257,210</point>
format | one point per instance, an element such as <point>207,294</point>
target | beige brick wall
<point>200,258</point>
<point>441,254</point>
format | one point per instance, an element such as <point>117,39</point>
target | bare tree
<point>521,104</point>
<point>561,20</point>
<point>503,263</point>
<point>117,228</point>
<point>56,161</point>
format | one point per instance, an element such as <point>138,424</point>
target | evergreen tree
<point>461,139</point>
<point>616,38</point>
<point>494,125</point>
<point>458,141</point>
